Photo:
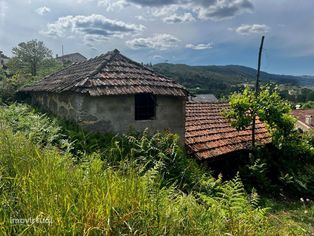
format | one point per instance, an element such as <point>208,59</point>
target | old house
<point>305,121</point>
<point>111,93</point>
<point>71,58</point>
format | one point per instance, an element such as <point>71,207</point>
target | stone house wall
<point>115,114</point>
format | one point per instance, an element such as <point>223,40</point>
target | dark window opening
<point>145,106</point>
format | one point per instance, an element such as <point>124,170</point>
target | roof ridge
<point>112,55</point>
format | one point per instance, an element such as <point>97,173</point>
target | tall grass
<point>93,198</point>
<point>137,185</point>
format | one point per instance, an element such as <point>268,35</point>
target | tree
<point>268,106</point>
<point>30,56</point>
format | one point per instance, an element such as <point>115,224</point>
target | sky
<point>198,32</point>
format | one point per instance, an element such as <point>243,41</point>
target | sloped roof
<point>204,98</point>
<point>73,57</point>
<point>108,74</point>
<point>300,114</point>
<point>209,134</point>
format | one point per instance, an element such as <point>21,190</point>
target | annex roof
<point>301,115</point>
<point>204,98</point>
<point>209,134</point>
<point>108,74</point>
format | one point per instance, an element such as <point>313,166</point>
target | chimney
<point>308,120</point>
<point>298,107</point>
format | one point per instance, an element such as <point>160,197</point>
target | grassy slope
<point>112,193</point>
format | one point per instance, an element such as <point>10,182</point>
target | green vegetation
<point>134,184</point>
<point>223,80</point>
<point>131,184</point>
<point>308,105</point>
<point>32,61</point>
<point>297,95</point>
<point>30,56</point>
<point>289,163</point>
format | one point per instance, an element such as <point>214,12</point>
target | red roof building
<point>305,118</point>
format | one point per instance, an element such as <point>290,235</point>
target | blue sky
<point>198,32</point>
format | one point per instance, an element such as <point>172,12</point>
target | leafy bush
<point>39,128</point>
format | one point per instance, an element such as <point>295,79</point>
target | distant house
<point>305,120</point>
<point>72,58</point>
<point>3,60</point>
<point>209,134</point>
<point>204,98</point>
<point>112,93</point>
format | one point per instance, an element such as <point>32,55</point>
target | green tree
<point>268,106</point>
<point>29,57</point>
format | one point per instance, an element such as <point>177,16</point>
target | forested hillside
<point>221,80</point>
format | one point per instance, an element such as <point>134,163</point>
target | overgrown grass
<point>133,185</point>
<point>91,197</point>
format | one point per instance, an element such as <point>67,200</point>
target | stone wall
<point>114,114</point>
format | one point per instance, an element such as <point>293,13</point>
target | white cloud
<point>252,29</point>
<point>110,5</point>
<point>42,10</point>
<point>201,46</point>
<point>222,9</point>
<point>186,17</point>
<point>158,41</point>
<point>96,27</point>
<point>3,10</point>
<point>145,18</point>
<point>204,9</point>
<point>158,57</point>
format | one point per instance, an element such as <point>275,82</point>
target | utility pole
<point>257,87</point>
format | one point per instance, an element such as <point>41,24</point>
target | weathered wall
<point>114,113</point>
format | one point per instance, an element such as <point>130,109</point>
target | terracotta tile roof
<point>108,74</point>
<point>300,114</point>
<point>209,134</point>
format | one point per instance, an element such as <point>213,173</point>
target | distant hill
<point>221,80</point>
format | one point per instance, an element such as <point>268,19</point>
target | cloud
<point>223,9</point>
<point>204,9</point>
<point>153,3</point>
<point>42,10</point>
<point>96,27</point>
<point>186,17</point>
<point>158,41</point>
<point>252,29</point>
<point>3,10</point>
<point>110,5</point>
<point>145,18</point>
<point>158,57</point>
<point>201,46</point>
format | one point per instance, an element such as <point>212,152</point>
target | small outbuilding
<point>71,58</point>
<point>111,93</point>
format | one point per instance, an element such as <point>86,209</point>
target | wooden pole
<point>257,87</point>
